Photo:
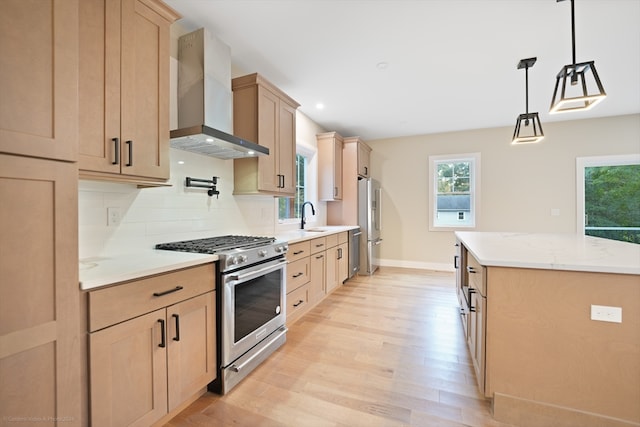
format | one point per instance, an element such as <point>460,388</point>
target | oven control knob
<point>242,258</point>
<point>262,253</point>
<point>279,249</point>
<point>233,260</point>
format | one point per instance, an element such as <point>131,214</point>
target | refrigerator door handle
<point>377,242</point>
<point>379,209</point>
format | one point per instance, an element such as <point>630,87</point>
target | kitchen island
<point>538,353</point>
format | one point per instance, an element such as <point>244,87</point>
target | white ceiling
<point>451,63</point>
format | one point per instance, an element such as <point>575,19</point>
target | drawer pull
<point>297,275</point>
<point>320,256</point>
<point>319,245</point>
<point>298,303</point>
<point>170,291</point>
<point>298,252</point>
<point>163,343</point>
<point>177,337</point>
<point>471,270</point>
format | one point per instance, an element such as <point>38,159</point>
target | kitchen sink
<point>314,230</point>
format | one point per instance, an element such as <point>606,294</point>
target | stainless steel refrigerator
<point>370,222</point>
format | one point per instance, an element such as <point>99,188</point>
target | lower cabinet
<point>298,272</point>
<point>337,260</point>
<point>143,368</point>
<point>316,267</point>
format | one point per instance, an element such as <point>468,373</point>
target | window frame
<point>595,161</point>
<point>474,189</point>
<point>310,186</point>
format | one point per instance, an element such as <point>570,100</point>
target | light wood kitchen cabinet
<point>337,262</point>
<point>298,272</point>
<point>124,90</point>
<point>144,366</point>
<point>317,271</point>
<point>330,146</point>
<point>40,354</point>
<point>40,350</point>
<point>364,156</point>
<point>476,333</point>
<point>264,114</point>
<point>355,165</point>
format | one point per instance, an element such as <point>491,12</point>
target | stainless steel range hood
<point>205,100</point>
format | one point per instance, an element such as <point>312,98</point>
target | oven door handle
<point>257,273</point>
<point>237,368</point>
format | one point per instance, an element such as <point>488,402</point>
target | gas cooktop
<point>213,245</point>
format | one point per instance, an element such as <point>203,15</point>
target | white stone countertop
<point>552,251</point>
<point>295,236</point>
<point>102,271</point>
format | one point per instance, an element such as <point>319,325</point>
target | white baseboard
<point>416,264</point>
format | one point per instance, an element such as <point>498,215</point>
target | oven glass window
<point>257,301</point>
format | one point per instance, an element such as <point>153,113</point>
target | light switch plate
<point>605,313</point>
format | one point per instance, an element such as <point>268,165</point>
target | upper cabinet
<point>363,156</point>
<point>355,165</point>
<point>124,89</point>
<point>267,116</point>
<point>330,166</point>
<point>38,78</point>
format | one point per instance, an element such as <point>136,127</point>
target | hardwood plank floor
<point>385,350</point>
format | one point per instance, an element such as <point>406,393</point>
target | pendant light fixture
<point>528,128</point>
<point>579,75</point>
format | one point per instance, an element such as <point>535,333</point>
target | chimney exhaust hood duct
<point>205,100</point>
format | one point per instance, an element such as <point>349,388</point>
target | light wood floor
<point>385,350</point>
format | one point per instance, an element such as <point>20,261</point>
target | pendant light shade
<point>578,85</point>
<point>528,128</point>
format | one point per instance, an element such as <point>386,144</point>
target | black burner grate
<point>212,245</point>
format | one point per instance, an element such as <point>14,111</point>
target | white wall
<point>520,184</point>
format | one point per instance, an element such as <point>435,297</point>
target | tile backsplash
<point>154,215</point>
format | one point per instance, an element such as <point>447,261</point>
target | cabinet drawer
<point>115,304</point>
<point>299,250</point>
<point>332,240</point>
<point>476,279</point>
<point>297,303</point>
<point>318,245</point>
<point>343,237</point>
<point>297,273</point>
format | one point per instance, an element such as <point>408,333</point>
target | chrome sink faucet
<point>313,212</point>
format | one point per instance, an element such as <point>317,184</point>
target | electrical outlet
<point>113,217</point>
<point>604,313</point>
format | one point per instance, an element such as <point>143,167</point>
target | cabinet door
<point>128,372</point>
<point>332,269</point>
<point>343,262</point>
<point>363,160</point>
<point>287,147</point>
<point>268,175</point>
<point>330,166</point>
<point>191,349</point>
<point>39,78</point>
<point>39,294</point>
<point>144,91</point>
<point>476,336</point>
<point>317,277</point>
<point>99,86</point>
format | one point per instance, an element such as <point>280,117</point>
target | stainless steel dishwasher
<point>354,251</point>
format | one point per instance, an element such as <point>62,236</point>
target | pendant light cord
<point>526,91</point>
<point>573,33</point>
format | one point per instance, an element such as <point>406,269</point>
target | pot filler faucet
<point>313,212</point>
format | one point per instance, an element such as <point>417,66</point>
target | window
<point>454,182</point>
<point>289,207</point>
<point>608,201</point>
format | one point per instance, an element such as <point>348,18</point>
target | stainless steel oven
<point>250,304</point>
<point>253,318</point>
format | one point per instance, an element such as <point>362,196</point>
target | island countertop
<point>552,251</point>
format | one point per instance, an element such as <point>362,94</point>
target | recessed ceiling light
<point>382,65</point>
<point>320,106</point>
